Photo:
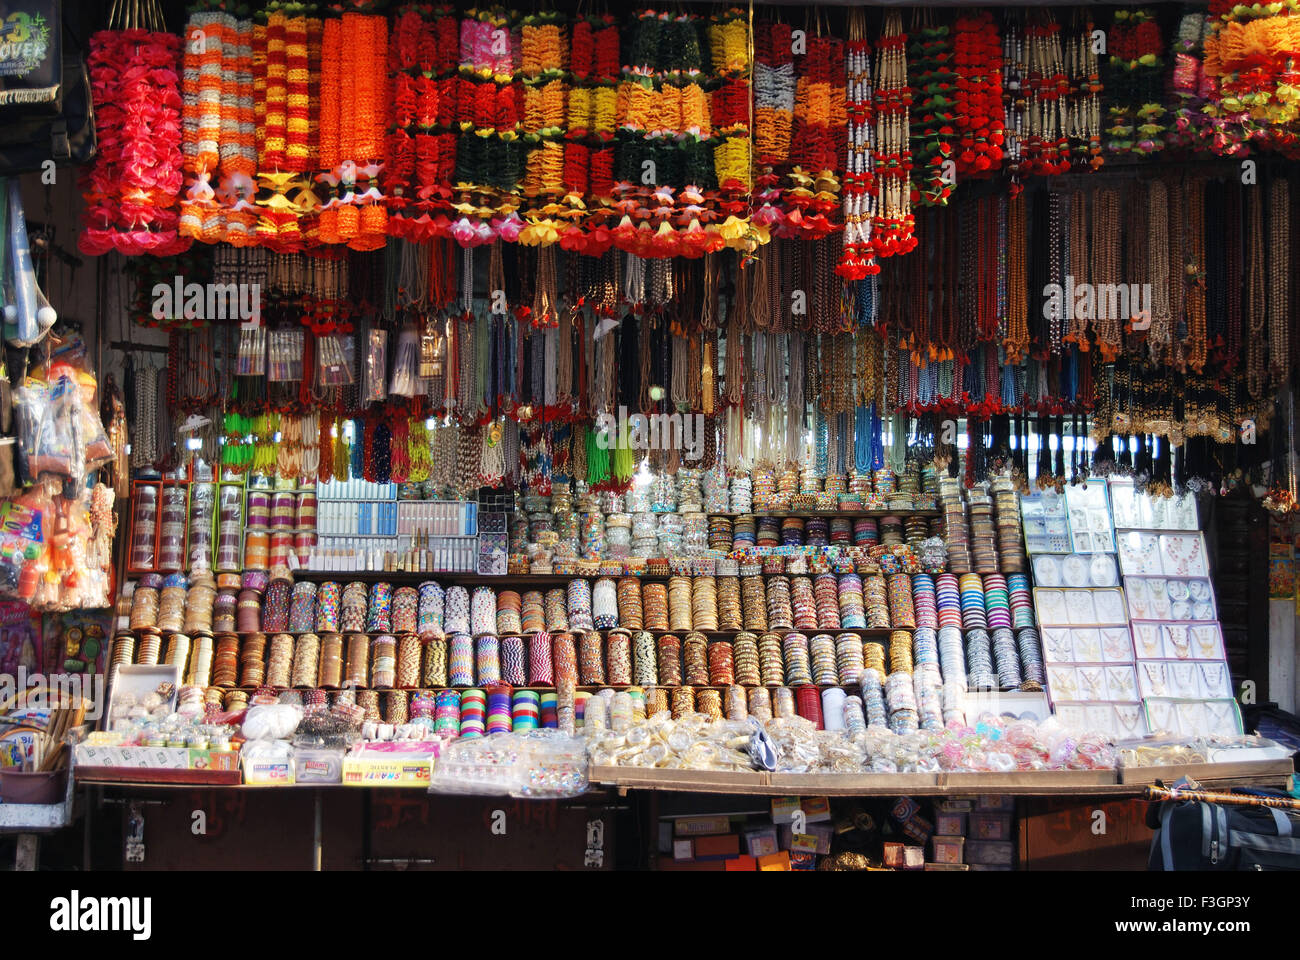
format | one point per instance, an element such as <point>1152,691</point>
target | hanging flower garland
<point>490,156</point>
<point>980,117</point>
<point>818,142</point>
<point>774,90</point>
<point>354,59</point>
<point>592,121</point>
<point>1252,53</point>
<point>1084,88</point>
<point>1045,148</point>
<point>285,136</point>
<point>730,50</point>
<point>1189,86</point>
<point>893,231</point>
<point>664,125</point>
<point>238,187</point>
<point>858,259</point>
<point>132,188</point>
<point>206,35</point>
<point>934,132</point>
<point>420,158</point>
<point>544,61</point>
<point>1134,83</point>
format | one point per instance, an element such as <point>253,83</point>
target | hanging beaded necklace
<point>1279,279</point>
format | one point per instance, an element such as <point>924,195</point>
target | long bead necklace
<point>1161,331</point>
<point>1105,269</point>
<point>1279,279</point>
<point>1196,329</point>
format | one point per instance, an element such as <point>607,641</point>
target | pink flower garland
<point>132,190</point>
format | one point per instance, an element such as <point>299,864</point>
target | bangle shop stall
<point>708,437</point>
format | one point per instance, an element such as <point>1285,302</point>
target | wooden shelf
<point>810,514</point>
<point>1064,783</point>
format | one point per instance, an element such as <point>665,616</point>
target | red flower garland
<point>980,119</point>
<point>132,189</point>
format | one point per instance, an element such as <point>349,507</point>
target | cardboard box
<point>155,758</point>
<point>918,828</point>
<point>717,847</point>
<point>990,826</point>
<point>701,826</point>
<point>741,864</point>
<point>953,806</point>
<point>947,849</point>
<point>913,858</point>
<point>904,809</point>
<point>996,803</point>
<point>669,865</point>
<point>803,860</point>
<point>778,862</point>
<point>801,843</point>
<point>683,849</point>
<point>783,809</point>
<point>761,841</point>
<point>139,680</point>
<point>990,852</point>
<point>269,773</point>
<point>936,867</point>
<point>950,824</point>
<point>318,765</point>
<point>894,855</point>
<point>816,809</point>
<point>402,763</point>
<point>821,831</point>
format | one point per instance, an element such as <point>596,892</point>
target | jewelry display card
<point>1134,510</point>
<point>1043,517</point>
<point>1076,570</point>
<point>1139,554</point>
<point>1123,721</point>
<point>1199,717</point>
<point>1169,598</point>
<point>1069,607</point>
<point>1183,679</point>
<point>1178,640</point>
<point>1090,520</point>
<point>1183,555</point>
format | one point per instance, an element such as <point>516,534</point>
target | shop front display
<point>831,403</point>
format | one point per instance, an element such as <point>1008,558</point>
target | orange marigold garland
<point>543,67</point>
<point>664,165</point>
<point>354,70</point>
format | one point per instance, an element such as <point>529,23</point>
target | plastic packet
<point>374,387</point>
<point>406,380</point>
<point>284,356</point>
<point>335,361</point>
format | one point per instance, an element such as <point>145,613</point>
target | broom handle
<point>1228,799</point>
